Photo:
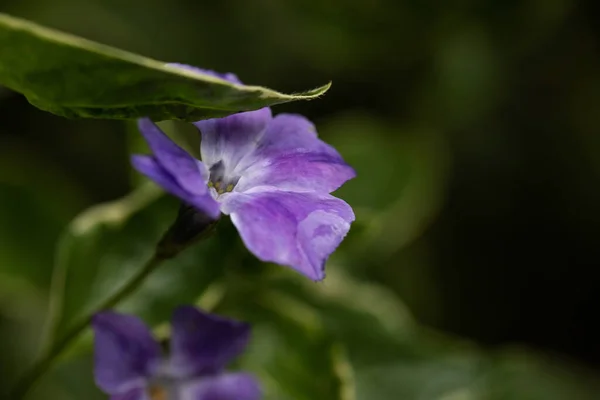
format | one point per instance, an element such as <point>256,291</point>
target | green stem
<point>44,364</point>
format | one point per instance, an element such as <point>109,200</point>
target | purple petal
<point>298,172</point>
<point>228,76</point>
<point>150,166</point>
<point>202,343</point>
<point>292,132</point>
<point>299,230</point>
<point>223,387</point>
<point>188,172</point>
<point>229,139</point>
<point>125,354</point>
<point>290,156</point>
<point>135,394</point>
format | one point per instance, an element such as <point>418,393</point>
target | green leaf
<point>347,339</point>
<point>293,358</point>
<point>525,375</point>
<point>393,357</point>
<point>77,78</point>
<point>104,247</point>
<point>35,205</point>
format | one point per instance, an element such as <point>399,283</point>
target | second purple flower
<point>129,364</point>
<point>272,175</point>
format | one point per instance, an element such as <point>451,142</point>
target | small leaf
<point>108,244</point>
<point>77,78</point>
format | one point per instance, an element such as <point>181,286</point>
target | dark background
<point>474,127</point>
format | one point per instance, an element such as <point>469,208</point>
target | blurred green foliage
<point>473,127</point>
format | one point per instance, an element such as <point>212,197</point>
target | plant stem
<point>46,361</point>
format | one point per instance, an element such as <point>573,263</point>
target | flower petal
<point>125,354</point>
<point>202,343</point>
<point>223,387</point>
<point>230,138</point>
<point>299,230</point>
<point>290,156</point>
<point>188,172</point>
<point>298,172</point>
<point>151,167</point>
<point>228,76</point>
<point>290,132</point>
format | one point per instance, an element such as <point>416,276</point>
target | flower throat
<point>218,180</point>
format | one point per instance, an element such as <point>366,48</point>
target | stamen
<point>218,179</point>
<point>157,393</point>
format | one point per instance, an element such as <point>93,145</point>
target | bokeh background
<point>473,125</point>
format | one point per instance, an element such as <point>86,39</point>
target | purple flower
<point>128,363</point>
<point>272,175</point>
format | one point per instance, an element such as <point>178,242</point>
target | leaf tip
<point>315,93</point>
